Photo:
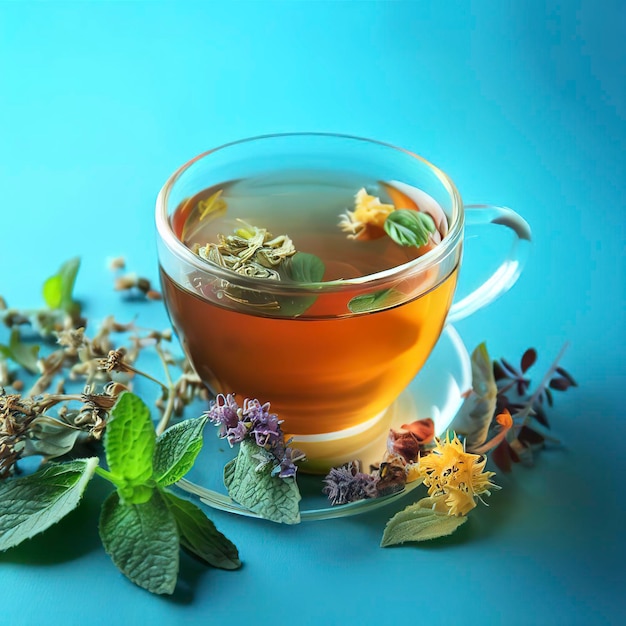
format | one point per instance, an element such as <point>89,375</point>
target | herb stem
<point>169,407</point>
<point>146,375</point>
<point>106,475</point>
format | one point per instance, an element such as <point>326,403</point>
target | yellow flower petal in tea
<point>214,204</point>
<point>455,476</point>
<point>368,210</point>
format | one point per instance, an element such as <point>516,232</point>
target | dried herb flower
<point>348,483</point>
<point>411,439</point>
<point>254,421</point>
<point>454,476</point>
<point>367,219</point>
<point>250,251</point>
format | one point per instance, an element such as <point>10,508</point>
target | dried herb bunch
<point>143,524</point>
<point>502,415</point>
<point>51,346</point>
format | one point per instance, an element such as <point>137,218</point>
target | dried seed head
<point>118,263</point>
<point>115,361</point>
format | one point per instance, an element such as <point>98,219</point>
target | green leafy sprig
<point>142,524</point>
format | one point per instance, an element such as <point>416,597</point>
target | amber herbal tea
<point>336,352</point>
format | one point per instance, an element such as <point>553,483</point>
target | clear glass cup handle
<point>507,273</point>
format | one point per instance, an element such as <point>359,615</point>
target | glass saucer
<point>436,392</point>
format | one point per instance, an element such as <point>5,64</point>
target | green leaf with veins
<point>129,444</point>
<point>303,268</point>
<point>383,299</point>
<point>33,503</point>
<point>142,541</point>
<point>419,522</point>
<point>58,289</point>
<point>249,481</point>
<point>408,227</point>
<point>177,449</point>
<point>22,353</point>
<point>199,536</point>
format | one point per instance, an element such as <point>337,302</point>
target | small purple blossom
<point>255,421</point>
<point>347,484</point>
<point>225,412</point>
<point>264,426</point>
<point>287,467</point>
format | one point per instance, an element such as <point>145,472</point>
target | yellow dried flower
<point>369,211</point>
<point>454,476</point>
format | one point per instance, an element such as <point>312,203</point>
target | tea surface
<point>325,369</point>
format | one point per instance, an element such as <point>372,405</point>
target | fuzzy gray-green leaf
<point>476,414</point>
<point>50,437</point>
<point>32,503</point>
<point>199,536</point>
<point>419,523</point>
<point>177,449</point>
<point>250,482</point>
<point>142,541</point>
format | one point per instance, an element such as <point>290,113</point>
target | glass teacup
<point>330,352</point>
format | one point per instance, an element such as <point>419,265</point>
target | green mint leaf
<point>419,522</point>
<point>383,299</point>
<point>303,267</point>
<point>58,289</point>
<point>199,536</point>
<point>50,437</point>
<point>250,482</point>
<point>33,503</point>
<point>177,449</point>
<point>142,541</point>
<point>129,443</point>
<point>23,354</point>
<point>408,227</point>
<point>476,414</point>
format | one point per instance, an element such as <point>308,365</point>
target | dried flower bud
<point>118,263</point>
<point>115,361</point>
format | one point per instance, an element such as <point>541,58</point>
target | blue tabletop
<point>522,104</point>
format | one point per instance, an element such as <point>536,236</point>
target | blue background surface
<point>521,103</point>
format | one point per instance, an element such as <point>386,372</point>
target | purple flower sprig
<point>253,420</point>
<point>348,483</point>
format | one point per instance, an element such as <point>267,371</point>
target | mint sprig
<point>142,526</point>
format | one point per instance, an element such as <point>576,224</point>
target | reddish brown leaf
<point>560,384</point>
<point>513,371</point>
<point>530,437</point>
<point>566,374</point>
<point>504,456</point>
<point>528,359</point>
<point>498,371</point>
